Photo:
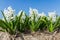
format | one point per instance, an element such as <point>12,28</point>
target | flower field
<point>23,23</point>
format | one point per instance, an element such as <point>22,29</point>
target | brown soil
<point>36,36</point>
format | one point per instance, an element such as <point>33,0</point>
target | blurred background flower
<point>9,13</point>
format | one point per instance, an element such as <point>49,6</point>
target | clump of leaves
<point>35,25</point>
<point>52,26</point>
<point>6,26</point>
<point>22,24</point>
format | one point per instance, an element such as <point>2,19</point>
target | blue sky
<point>42,5</point>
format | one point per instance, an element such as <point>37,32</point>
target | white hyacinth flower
<point>9,13</point>
<point>19,13</point>
<point>23,15</point>
<point>41,14</point>
<point>54,19</point>
<point>32,13</point>
<point>52,15</point>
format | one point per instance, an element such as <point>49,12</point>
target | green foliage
<point>9,27</point>
<point>43,23</point>
<point>52,26</point>
<point>21,25</point>
<point>35,25</point>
